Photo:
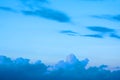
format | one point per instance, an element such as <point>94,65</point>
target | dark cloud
<point>7,9</point>
<point>71,68</point>
<point>69,32</point>
<point>113,35</point>
<point>49,14</point>
<point>108,17</point>
<point>101,29</point>
<point>93,35</point>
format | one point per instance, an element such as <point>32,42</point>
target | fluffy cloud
<point>72,69</point>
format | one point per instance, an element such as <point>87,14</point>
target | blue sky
<point>50,30</point>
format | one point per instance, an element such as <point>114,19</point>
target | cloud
<point>113,35</point>
<point>49,14</point>
<point>108,17</point>
<point>93,35</point>
<point>33,4</point>
<point>101,29</point>
<point>7,9</point>
<point>37,9</point>
<point>69,32</point>
<point>72,69</point>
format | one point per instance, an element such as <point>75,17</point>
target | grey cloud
<point>69,32</point>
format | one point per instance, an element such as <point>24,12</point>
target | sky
<point>51,29</point>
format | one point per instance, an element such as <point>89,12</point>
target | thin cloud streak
<point>69,32</point>
<point>108,17</point>
<point>100,29</point>
<point>94,35</point>
<point>9,9</point>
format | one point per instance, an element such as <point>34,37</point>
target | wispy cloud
<point>72,69</point>
<point>100,29</point>
<point>4,8</point>
<point>36,8</point>
<point>114,35</point>
<point>69,32</point>
<point>49,14</point>
<point>94,35</point>
<point>33,4</point>
<point>108,17</point>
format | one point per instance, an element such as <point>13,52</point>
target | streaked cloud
<point>70,33</point>
<point>100,29</point>
<point>4,8</point>
<point>35,8</point>
<point>114,35</point>
<point>48,14</point>
<point>108,17</point>
<point>94,35</point>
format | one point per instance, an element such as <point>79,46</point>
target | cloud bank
<point>71,69</point>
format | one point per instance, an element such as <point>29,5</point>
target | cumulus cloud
<point>72,69</point>
<point>69,32</point>
<point>108,17</point>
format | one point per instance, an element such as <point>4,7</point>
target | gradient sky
<point>50,30</point>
